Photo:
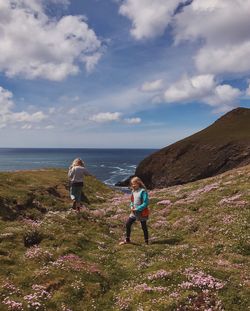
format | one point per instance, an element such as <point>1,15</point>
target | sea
<point>108,165</point>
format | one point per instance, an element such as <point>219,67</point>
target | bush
<point>32,237</point>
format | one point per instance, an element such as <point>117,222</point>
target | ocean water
<point>108,165</point>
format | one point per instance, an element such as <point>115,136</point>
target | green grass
<point>81,266</point>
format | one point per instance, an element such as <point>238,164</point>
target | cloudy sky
<point>119,73</point>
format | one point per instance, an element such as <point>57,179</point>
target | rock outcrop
<point>220,147</point>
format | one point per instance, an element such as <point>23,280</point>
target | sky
<point>119,73</point>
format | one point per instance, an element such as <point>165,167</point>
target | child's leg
<point>129,223</point>
<point>74,204</point>
<point>145,230</point>
<point>78,194</point>
<point>78,206</point>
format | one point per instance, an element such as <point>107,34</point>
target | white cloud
<point>106,117</point>
<point>217,21</point>
<point>205,89</point>
<point>220,28</point>
<point>224,59</point>
<point>6,102</point>
<point>9,117</point>
<point>132,120</point>
<point>63,2</point>
<point>91,60</point>
<point>223,27</point>
<point>149,17</point>
<point>26,127</point>
<point>27,117</point>
<point>248,90</point>
<point>224,95</point>
<point>188,89</point>
<point>72,111</point>
<point>152,86</point>
<point>35,45</point>
<point>49,127</point>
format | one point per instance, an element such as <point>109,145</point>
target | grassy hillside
<point>233,126</point>
<point>52,258</point>
<point>220,147</point>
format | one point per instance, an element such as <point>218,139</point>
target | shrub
<point>32,237</point>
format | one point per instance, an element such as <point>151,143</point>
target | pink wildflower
<point>160,274</point>
<point>69,262</point>
<point>145,288</point>
<point>13,305</point>
<point>201,280</point>
<point>234,200</point>
<point>37,252</point>
<point>164,202</point>
<point>123,303</point>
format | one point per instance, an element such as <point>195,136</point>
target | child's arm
<point>144,204</point>
<point>132,206</point>
<point>70,172</point>
<point>86,172</point>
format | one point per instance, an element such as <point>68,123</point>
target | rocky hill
<point>220,147</point>
<point>53,258</point>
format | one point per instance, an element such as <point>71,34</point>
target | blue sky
<point>119,73</point>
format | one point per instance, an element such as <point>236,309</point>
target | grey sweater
<point>76,173</point>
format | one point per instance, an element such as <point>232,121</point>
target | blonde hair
<point>78,162</point>
<point>138,181</point>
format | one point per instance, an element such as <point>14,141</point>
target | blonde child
<point>76,172</point>
<point>138,208</point>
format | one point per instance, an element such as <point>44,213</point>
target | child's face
<point>135,185</point>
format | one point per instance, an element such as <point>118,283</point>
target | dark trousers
<point>129,223</point>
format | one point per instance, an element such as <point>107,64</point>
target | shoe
<point>124,242</point>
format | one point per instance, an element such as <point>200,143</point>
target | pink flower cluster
<point>161,274</point>
<point>120,199</point>
<point>203,300</point>
<point>164,202</point>
<point>159,224</point>
<point>194,195</point>
<point>201,280</point>
<point>36,252</point>
<point>36,299</point>
<point>12,304</point>
<point>145,288</point>
<point>234,200</point>
<point>205,189</point>
<point>10,288</point>
<point>69,262</point>
<point>123,303</point>
<point>174,295</point>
